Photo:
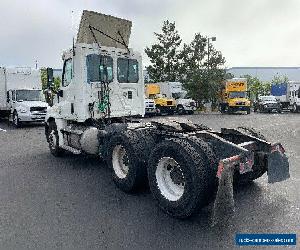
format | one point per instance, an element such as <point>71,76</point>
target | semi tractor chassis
<point>185,164</point>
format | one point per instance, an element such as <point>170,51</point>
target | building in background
<point>267,73</point>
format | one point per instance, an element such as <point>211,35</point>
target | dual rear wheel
<point>179,173</point>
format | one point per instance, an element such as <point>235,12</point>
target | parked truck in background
<point>163,104</point>
<point>21,98</point>
<point>234,96</point>
<point>288,94</point>
<point>150,109</point>
<point>184,105</point>
<point>181,161</point>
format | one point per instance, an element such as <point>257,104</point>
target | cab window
<point>67,73</point>
<point>128,71</point>
<point>99,68</point>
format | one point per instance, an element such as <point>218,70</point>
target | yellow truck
<point>162,103</point>
<point>234,96</point>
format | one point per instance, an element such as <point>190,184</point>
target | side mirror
<point>49,77</point>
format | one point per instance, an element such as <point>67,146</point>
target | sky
<point>249,33</point>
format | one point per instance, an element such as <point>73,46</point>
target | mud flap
<point>224,202</point>
<point>278,165</point>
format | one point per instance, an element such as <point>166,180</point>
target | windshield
<point>99,68</point>
<point>237,94</point>
<point>268,98</point>
<point>29,95</point>
<point>179,95</point>
<point>128,71</point>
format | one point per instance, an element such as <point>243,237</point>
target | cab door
<point>66,96</point>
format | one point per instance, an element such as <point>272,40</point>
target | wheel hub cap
<point>120,161</point>
<point>170,178</point>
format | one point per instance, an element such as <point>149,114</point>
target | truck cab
<point>26,105</point>
<point>175,90</point>
<point>163,104</point>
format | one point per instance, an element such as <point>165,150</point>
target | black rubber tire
<point>248,111</point>
<point>55,149</point>
<point>137,144</point>
<point>258,170</point>
<point>180,110</point>
<point>158,110</point>
<point>16,124</point>
<point>191,112</point>
<point>194,165</point>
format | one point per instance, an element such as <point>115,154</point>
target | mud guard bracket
<point>224,202</point>
<point>278,164</point>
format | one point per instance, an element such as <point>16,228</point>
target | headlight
<point>23,110</point>
<point>266,105</point>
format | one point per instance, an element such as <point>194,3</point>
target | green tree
<point>44,78</point>
<point>164,54</point>
<point>56,81</point>
<point>279,79</point>
<point>202,78</point>
<point>256,87</point>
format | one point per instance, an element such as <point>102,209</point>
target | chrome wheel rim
<point>52,140</point>
<point>170,178</point>
<point>120,162</point>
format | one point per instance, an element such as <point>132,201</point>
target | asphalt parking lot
<point>72,202</point>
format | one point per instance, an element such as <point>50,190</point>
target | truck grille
<point>240,103</point>
<point>169,102</point>
<point>40,109</point>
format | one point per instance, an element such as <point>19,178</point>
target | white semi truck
<point>21,97</point>
<point>175,90</point>
<point>103,90</point>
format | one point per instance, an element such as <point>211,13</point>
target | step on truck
<point>184,163</point>
<point>21,97</point>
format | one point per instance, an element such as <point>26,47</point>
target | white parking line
<point>2,130</point>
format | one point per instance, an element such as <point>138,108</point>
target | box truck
<point>21,98</point>
<point>288,94</point>
<point>234,96</point>
<point>184,105</point>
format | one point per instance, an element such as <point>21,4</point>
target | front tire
<point>16,120</point>
<point>295,108</point>
<point>180,110</point>
<point>179,178</point>
<point>53,140</point>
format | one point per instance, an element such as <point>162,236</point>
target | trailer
<point>185,164</point>
<point>21,98</point>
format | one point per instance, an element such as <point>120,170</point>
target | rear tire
<point>178,177</point>
<point>127,156</point>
